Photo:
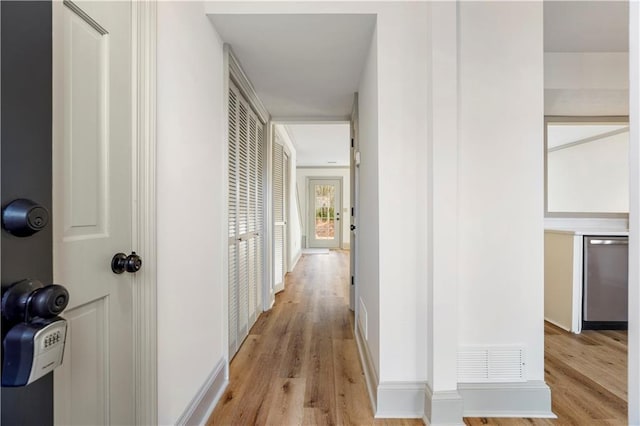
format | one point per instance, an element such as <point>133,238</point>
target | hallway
<point>300,364</point>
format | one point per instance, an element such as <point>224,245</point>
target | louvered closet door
<point>279,215</point>
<point>245,217</point>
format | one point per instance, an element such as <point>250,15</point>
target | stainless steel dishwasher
<point>605,283</point>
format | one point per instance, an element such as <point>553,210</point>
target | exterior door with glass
<point>325,205</point>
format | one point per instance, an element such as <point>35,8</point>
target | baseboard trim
<point>557,324</point>
<point>443,408</point>
<point>528,399</point>
<point>401,400</point>
<point>201,407</point>
<point>370,375</point>
<point>295,260</point>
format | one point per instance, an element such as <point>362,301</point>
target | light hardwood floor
<point>300,365</point>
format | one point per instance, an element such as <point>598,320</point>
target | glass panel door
<point>324,212</point>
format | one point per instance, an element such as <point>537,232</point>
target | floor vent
<point>481,364</point>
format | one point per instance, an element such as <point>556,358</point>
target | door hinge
<point>352,280</point>
<point>351,142</point>
<point>353,211</point>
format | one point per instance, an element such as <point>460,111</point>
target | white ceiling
<point>301,66</point>
<point>321,145</point>
<point>586,26</point>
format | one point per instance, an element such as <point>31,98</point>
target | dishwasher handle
<point>601,242</point>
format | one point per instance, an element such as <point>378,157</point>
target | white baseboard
<point>442,408</point>
<point>370,375</point>
<point>401,400</point>
<point>201,407</point>
<point>295,260</point>
<point>528,399</point>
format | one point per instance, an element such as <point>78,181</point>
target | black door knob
<point>352,227</point>
<point>28,298</point>
<point>121,263</point>
<point>23,217</point>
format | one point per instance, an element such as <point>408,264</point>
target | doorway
<point>324,197</point>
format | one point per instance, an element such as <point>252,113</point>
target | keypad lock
<point>34,343</point>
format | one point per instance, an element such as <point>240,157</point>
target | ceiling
<point>307,67</point>
<point>321,145</point>
<point>301,66</point>
<point>586,26</point>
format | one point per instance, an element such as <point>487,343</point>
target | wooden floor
<point>300,365</point>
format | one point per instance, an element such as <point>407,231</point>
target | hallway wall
<point>191,189</point>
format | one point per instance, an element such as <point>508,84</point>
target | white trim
<point>442,408</point>
<point>578,271</point>
<point>245,86</point>
<point>401,400</point>
<point>633,373</point>
<point>295,260</point>
<point>269,294</point>
<point>143,21</point>
<point>346,167</point>
<point>201,407</point>
<point>338,119</point>
<point>370,374</point>
<point>528,399</point>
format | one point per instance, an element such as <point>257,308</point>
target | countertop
<point>596,231</point>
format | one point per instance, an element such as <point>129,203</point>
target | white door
<point>246,217</point>
<point>92,209</point>
<point>280,182</point>
<point>325,204</point>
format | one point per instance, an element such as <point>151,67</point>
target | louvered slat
<point>243,169</point>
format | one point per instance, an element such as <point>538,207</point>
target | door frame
<point>144,208</point>
<point>309,219</point>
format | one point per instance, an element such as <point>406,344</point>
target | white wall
<point>402,159</point>
<point>191,176</point>
<point>590,177</point>
<point>592,83</point>
<point>343,172</point>
<point>367,234</point>
<point>501,177</point>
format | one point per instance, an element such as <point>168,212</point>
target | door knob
<point>30,298</point>
<point>352,227</point>
<point>23,217</point>
<point>121,263</point>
